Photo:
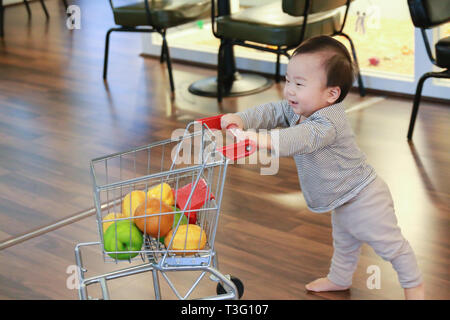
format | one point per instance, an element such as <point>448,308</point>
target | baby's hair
<point>339,68</point>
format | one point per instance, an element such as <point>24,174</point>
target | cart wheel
<point>238,283</point>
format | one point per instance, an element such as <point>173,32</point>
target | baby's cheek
<point>285,92</point>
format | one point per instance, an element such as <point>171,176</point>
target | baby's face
<point>305,87</point>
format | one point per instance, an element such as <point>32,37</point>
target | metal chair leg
<point>277,72</point>
<point>27,6</point>
<point>416,103</point>
<point>44,8</point>
<point>1,20</point>
<point>418,96</point>
<point>169,63</point>
<point>162,57</point>
<point>362,90</point>
<point>220,72</point>
<point>105,61</point>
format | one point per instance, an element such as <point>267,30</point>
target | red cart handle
<point>234,151</point>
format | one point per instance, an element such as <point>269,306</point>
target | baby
<point>333,172</point>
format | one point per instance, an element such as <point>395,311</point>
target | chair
<point>27,6</point>
<point>159,15</point>
<point>279,27</point>
<point>426,14</point>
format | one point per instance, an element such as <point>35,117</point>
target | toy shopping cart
<point>158,205</point>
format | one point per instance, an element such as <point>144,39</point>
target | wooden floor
<point>56,114</point>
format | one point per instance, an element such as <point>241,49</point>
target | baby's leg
<point>393,247</point>
<point>376,225</point>
<point>344,261</point>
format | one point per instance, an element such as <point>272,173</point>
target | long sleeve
<point>267,116</point>
<point>331,168</point>
<point>306,137</point>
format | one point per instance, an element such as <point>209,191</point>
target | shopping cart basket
<point>159,204</point>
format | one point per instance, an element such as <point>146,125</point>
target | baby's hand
<point>231,118</point>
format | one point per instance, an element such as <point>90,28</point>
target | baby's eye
<point>299,84</point>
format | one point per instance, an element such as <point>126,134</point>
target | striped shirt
<point>331,167</point>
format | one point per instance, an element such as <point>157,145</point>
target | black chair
<point>42,5</point>
<point>159,16</point>
<point>27,6</point>
<point>426,14</point>
<point>279,27</point>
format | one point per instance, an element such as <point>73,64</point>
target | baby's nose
<point>288,91</point>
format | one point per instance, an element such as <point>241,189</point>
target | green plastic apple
<point>125,240</point>
<point>178,216</point>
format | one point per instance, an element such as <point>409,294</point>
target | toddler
<point>333,172</point>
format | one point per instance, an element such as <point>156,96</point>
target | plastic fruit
<point>136,197</point>
<point>177,216</point>
<point>123,235</point>
<point>197,201</point>
<point>111,216</point>
<point>192,216</point>
<point>154,223</point>
<point>195,240</point>
<point>167,194</point>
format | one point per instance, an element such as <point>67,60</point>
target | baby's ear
<point>333,94</point>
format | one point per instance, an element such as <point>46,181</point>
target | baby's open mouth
<point>293,103</point>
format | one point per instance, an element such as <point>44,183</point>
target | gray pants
<point>370,217</point>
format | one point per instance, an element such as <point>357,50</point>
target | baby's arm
<point>306,137</point>
<point>266,116</point>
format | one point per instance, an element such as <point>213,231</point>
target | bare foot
<point>323,284</point>
<point>416,293</point>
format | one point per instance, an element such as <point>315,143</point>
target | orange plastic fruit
<point>155,223</point>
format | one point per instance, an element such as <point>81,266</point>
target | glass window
<point>383,34</point>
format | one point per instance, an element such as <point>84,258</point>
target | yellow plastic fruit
<point>136,197</point>
<point>167,194</point>
<point>111,216</point>
<point>196,238</point>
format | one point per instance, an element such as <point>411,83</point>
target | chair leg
<point>362,90</point>
<point>162,57</point>
<point>416,103</point>
<point>27,6</point>
<point>1,21</point>
<point>443,74</point>
<point>220,72</point>
<point>277,72</point>
<point>44,8</point>
<point>105,61</point>
<point>169,63</point>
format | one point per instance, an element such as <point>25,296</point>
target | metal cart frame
<point>111,179</point>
